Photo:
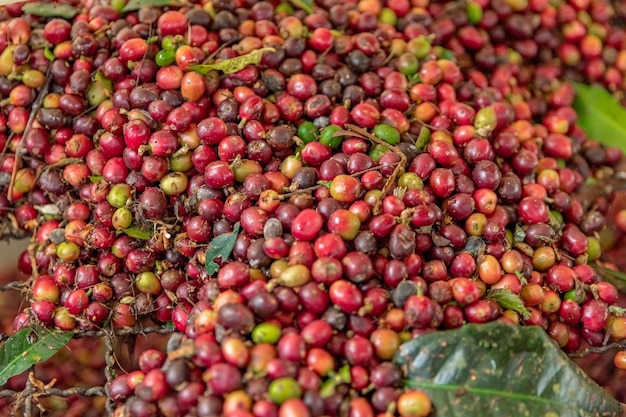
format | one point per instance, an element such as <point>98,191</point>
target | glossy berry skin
<point>346,296</point>
<point>306,225</point>
<point>532,210</point>
<point>595,315</point>
<point>345,188</point>
<point>218,174</point>
<point>620,360</point>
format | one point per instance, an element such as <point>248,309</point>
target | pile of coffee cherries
<point>299,189</point>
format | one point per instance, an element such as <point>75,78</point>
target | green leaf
<point>50,10</point>
<point>232,65</point>
<point>600,115</point>
<point>306,5</point>
<point>423,138</point>
<point>221,247</point>
<point>495,370</point>
<point>444,53</point>
<point>509,301</point>
<point>616,278</point>
<point>99,90</point>
<point>138,4</point>
<point>138,233</point>
<point>607,272</point>
<point>519,235</point>
<point>617,310</point>
<point>27,348</point>
<point>48,54</point>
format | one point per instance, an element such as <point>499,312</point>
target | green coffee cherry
<point>266,333</point>
<point>575,295</point>
<point>68,251</point>
<point>122,218</point>
<point>165,57</point>
<point>308,132</point>
<point>411,181</point>
<point>168,43</point>
<point>283,389</point>
<point>377,151</point>
<point>408,64</point>
<point>119,195</point>
<point>485,121</point>
<point>327,137</point>
<point>474,12</point>
<point>420,46</point>
<point>594,250</point>
<point>388,16</point>
<point>387,133</point>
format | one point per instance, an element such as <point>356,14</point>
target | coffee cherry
<point>619,360</point>
<point>331,231</point>
<point>594,315</point>
<point>45,289</point>
<point>413,403</point>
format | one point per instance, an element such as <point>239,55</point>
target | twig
<point>6,146</point>
<point>394,175</point>
<point>124,332</point>
<point>61,163</point>
<point>28,399</point>
<point>87,110</point>
<point>33,111</point>
<point>431,127</point>
<point>14,286</point>
<point>86,392</point>
<point>109,358</point>
<point>33,261</point>
<point>9,233</point>
<point>597,349</point>
<point>217,51</point>
<point>315,187</point>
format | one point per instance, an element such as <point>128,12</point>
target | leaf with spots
<point>221,247</point>
<point>232,65</point>
<point>29,347</point>
<point>494,370</point>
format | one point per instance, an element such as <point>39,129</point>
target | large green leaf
<point>27,348</point>
<point>600,115</point>
<point>497,370</point>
